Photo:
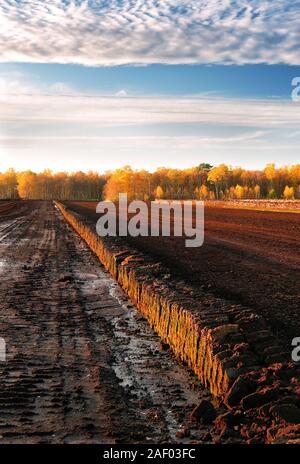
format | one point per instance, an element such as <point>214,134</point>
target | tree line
<point>205,182</point>
<point>47,185</point>
<point>202,182</point>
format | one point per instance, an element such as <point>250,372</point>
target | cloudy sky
<point>100,84</point>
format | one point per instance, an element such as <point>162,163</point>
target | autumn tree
<point>257,191</point>
<point>200,182</point>
<point>219,177</point>
<point>203,192</point>
<point>272,194</point>
<point>159,193</point>
<point>8,184</point>
<point>239,191</point>
<point>289,193</point>
<point>26,184</point>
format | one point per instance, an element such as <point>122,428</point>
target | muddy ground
<point>82,366</point>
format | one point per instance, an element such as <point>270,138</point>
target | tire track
<point>82,367</point>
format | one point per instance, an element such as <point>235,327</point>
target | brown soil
<point>250,258</point>
<point>82,365</point>
<point>264,398</point>
<point>13,208</point>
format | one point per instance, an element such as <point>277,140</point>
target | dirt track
<point>82,366</point>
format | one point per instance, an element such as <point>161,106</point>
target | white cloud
<point>16,83</point>
<point>98,32</point>
<point>121,93</point>
<point>49,125</point>
<point>142,141</point>
<point>127,111</point>
<point>61,88</point>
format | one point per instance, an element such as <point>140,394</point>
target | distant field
<point>271,205</point>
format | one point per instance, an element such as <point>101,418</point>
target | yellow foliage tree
<point>203,192</point>
<point>257,191</point>
<point>26,184</point>
<point>219,177</point>
<point>159,193</point>
<point>239,191</point>
<point>289,193</point>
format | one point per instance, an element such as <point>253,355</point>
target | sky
<point>102,84</point>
